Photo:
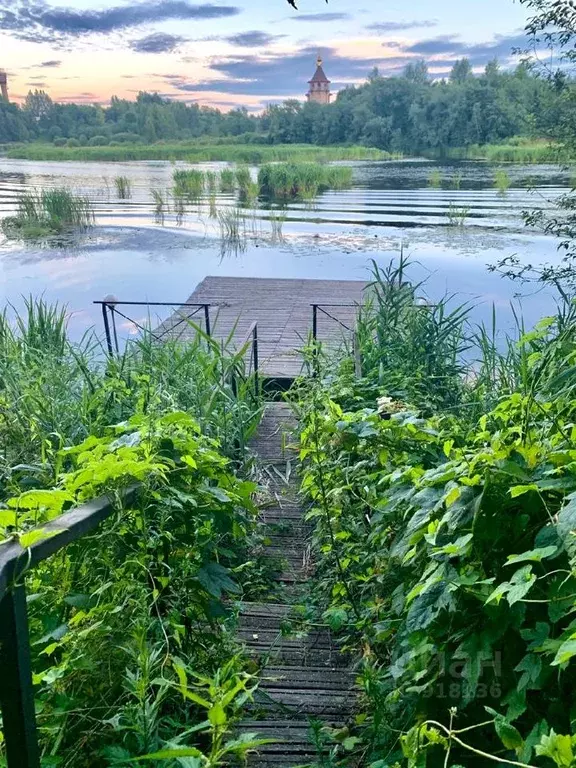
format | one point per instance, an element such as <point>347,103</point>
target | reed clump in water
<point>301,180</point>
<point>123,187</point>
<point>457,215</point>
<point>502,182</point>
<point>248,189</point>
<point>49,212</point>
<point>435,179</point>
<point>188,183</point>
<point>227,180</point>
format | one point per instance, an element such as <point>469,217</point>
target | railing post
<point>16,690</point>
<point>107,329</point>
<point>207,320</point>
<point>315,322</point>
<point>113,314</point>
<point>255,358</point>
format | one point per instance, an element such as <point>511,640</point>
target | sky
<point>230,53</point>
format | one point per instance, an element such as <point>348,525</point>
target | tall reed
<point>123,187</point>
<point>51,211</point>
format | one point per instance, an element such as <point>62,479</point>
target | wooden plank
<point>282,309</point>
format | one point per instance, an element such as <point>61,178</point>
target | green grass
<point>301,180</point>
<point>197,152</point>
<point>49,212</point>
<point>515,150</point>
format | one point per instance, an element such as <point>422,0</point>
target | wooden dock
<point>304,676</point>
<point>282,308</point>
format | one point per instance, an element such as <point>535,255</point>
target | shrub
<point>98,141</point>
<point>73,142</point>
<point>59,141</point>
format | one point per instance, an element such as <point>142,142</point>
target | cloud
<point>49,64</point>
<point>38,21</point>
<point>320,17</point>
<point>278,74</point>
<point>252,39</point>
<point>501,47</point>
<point>158,42</point>
<point>399,26</point>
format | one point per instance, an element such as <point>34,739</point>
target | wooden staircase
<point>303,678</point>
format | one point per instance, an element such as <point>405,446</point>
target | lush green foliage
<point>198,152</point>
<point>304,180</point>
<point>442,485</point>
<point>49,212</point>
<point>408,113</point>
<point>121,620</point>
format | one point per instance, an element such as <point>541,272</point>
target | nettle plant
<point>121,618</point>
<point>448,548</point>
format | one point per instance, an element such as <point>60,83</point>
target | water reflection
<point>152,247</point>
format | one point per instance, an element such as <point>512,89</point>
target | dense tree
<point>409,113</point>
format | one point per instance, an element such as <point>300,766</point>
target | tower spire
<point>319,90</point>
<point>3,85</point>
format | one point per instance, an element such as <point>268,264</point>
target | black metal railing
<point>318,309</point>
<point>16,688</point>
<point>323,308</point>
<point>186,312</point>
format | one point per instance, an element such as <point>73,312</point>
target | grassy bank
<point>198,153</point>
<point>123,619</point>
<point>439,465</point>
<point>516,150</point>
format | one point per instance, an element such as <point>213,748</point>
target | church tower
<point>3,85</point>
<point>319,85</point>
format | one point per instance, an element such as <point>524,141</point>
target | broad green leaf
<point>8,517</point>
<point>217,715</point>
<point>534,555</point>
<point>558,748</point>
<point>170,754</point>
<point>566,651</point>
<point>520,584</point>
<point>566,525</point>
<point>452,496</point>
<point>216,579</point>
<point>34,537</point>
<point>519,490</point>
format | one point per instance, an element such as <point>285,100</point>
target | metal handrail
<point>17,690</point>
<point>109,312</point>
<point>316,307</point>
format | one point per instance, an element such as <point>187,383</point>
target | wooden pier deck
<point>303,676</point>
<point>283,310</point>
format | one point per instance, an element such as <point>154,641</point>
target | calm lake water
<point>136,256</point>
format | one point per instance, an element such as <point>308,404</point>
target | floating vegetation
<point>123,187</point>
<point>457,215</point>
<point>188,183</point>
<point>435,179</point>
<point>301,180</point>
<point>502,181</point>
<point>49,212</point>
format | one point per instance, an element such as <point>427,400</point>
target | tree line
<point>408,113</point>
